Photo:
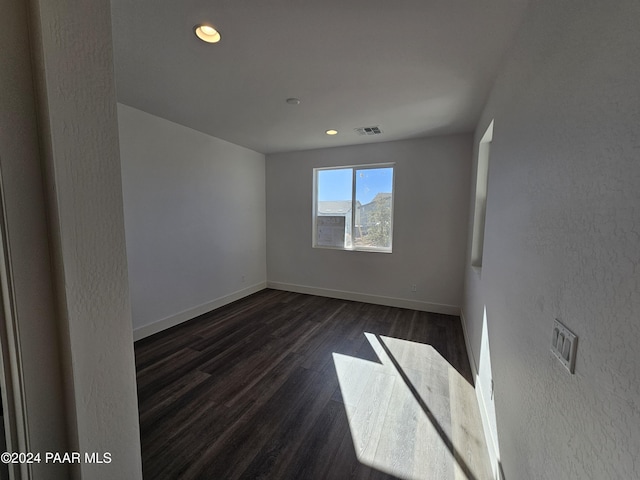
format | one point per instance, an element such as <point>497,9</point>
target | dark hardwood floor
<point>282,385</point>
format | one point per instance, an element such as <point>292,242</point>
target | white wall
<point>563,241</point>
<point>194,219</point>
<point>30,369</point>
<point>73,63</point>
<point>430,225</point>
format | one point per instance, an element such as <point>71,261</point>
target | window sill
<point>358,249</point>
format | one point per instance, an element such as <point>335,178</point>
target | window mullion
<point>353,209</point>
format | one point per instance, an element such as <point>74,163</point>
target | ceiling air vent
<point>368,131</point>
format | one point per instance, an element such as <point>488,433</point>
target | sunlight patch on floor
<point>412,415</point>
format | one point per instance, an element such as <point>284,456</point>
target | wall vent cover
<point>368,130</point>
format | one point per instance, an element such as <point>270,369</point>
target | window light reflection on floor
<point>412,415</point>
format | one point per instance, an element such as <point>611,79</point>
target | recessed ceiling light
<point>293,101</point>
<point>331,132</point>
<point>207,33</point>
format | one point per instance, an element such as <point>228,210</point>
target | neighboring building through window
<point>353,207</point>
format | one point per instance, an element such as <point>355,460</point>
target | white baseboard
<point>467,342</point>
<point>173,320</point>
<point>367,298</point>
<point>482,406</point>
<point>491,446</point>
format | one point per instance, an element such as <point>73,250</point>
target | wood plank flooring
<point>282,385</point>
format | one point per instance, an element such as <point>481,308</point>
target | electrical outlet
<point>242,278</point>
<point>414,288</point>
<point>563,345</point>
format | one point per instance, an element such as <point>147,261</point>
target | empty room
<point>320,240</point>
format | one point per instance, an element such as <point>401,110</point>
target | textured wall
<point>563,241</point>
<point>31,309</point>
<point>194,216</point>
<point>430,224</point>
<point>79,125</point>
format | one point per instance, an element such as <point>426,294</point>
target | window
<point>482,179</point>
<point>353,207</point>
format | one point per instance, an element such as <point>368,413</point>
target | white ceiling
<point>413,67</point>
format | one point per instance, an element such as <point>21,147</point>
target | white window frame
<point>355,168</point>
<point>480,206</point>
